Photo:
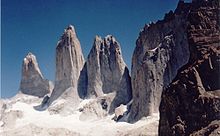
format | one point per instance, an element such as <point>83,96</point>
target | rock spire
<point>107,71</point>
<point>32,80</point>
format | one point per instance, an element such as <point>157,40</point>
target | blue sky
<point>36,26</point>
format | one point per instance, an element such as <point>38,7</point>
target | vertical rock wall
<point>69,63</point>
<point>190,105</point>
<point>161,49</point>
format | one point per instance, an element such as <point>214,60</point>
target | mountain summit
<point>32,80</point>
<point>69,63</point>
<point>107,72</point>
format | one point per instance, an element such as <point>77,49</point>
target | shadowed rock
<point>190,105</point>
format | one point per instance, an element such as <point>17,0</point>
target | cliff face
<point>107,72</point>
<point>161,49</point>
<point>69,63</point>
<point>32,80</point>
<point>191,103</point>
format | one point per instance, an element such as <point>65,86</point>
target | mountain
<point>32,80</point>
<point>161,49</point>
<point>190,105</point>
<point>69,63</point>
<point>108,73</point>
<point>173,90</point>
<point>72,109</point>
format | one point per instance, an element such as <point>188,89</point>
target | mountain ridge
<point>173,88</point>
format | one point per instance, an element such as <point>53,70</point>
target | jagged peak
<point>69,31</point>
<point>106,38</point>
<point>32,80</point>
<point>108,41</point>
<point>182,8</point>
<point>29,57</point>
<point>70,27</point>
<point>68,36</point>
<point>30,62</point>
<point>110,38</point>
<point>30,54</point>
<point>98,38</point>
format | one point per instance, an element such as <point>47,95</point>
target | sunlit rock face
<point>107,72</point>
<point>32,80</point>
<point>190,105</point>
<point>161,49</point>
<point>69,63</point>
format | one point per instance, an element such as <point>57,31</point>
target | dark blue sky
<point>36,25</point>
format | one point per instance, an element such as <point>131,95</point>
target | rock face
<point>161,49</point>
<point>190,105</point>
<point>32,80</point>
<point>69,63</point>
<point>107,72</point>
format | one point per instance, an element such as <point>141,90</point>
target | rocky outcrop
<point>190,105</point>
<point>120,113</point>
<point>32,80</point>
<point>161,49</point>
<point>107,72</point>
<point>69,63</point>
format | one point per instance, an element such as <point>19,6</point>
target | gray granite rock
<point>161,49</point>
<point>107,72</point>
<point>32,80</point>
<point>69,63</point>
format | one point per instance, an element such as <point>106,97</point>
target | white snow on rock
<point>22,120</point>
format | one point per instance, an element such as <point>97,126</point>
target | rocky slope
<point>69,63</point>
<point>108,73</point>
<point>161,49</point>
<point>190,105</point>
<point>32,80</point>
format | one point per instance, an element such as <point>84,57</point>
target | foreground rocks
<point>32,80</point>
<point>191,103</point>
<point>161,49</point>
